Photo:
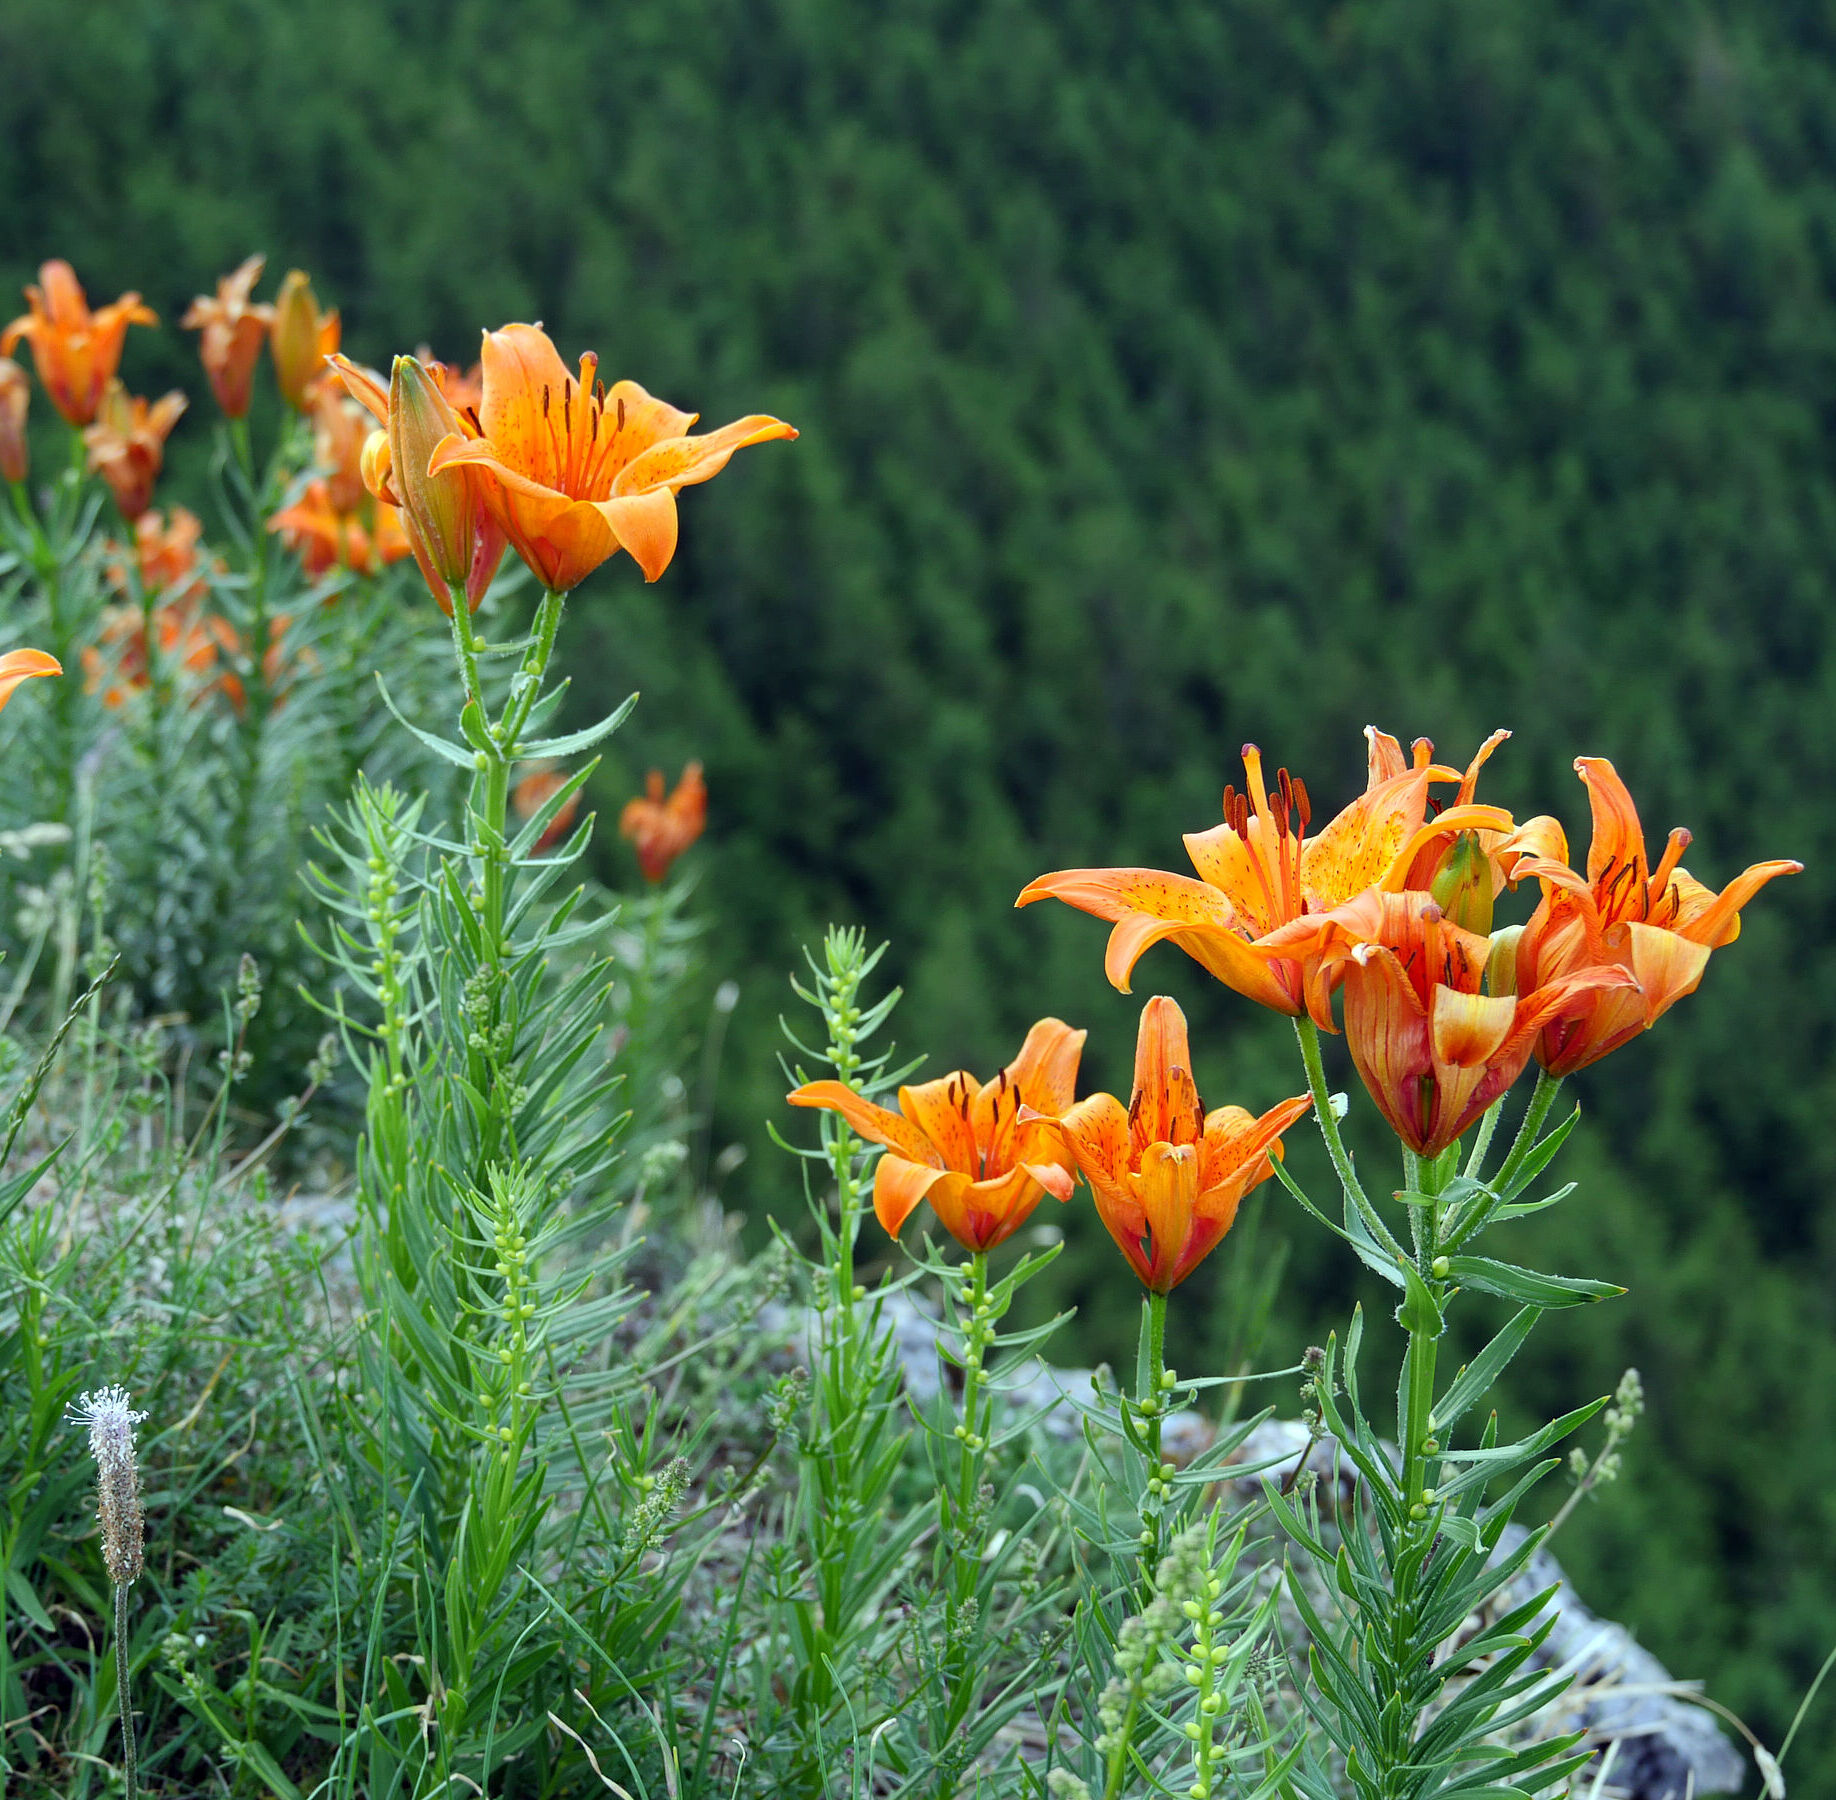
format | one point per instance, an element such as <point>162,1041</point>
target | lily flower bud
<point>438,509</point>
<point>15,401</point>
<point>1463,887</point>
<point>300,339</point>
<point>1501,965</point>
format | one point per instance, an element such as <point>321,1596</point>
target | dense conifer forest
<point>1170,376</point>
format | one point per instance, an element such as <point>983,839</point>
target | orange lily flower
<point>453,537</point>
<point>127,444</point>
<point>340,428</point>
<point>964,1146</point>
<point>534,791</point>
<point>1168,1176</point>
<point>1434,1048</point>
<point>76,351</point>
<point>574,472</point>
<point>300,340</point>
<point>1259,871</point>
<point>21,665</point>
<point>15,403</point>
<point>234,328</point>
<point>324,537</point>
<point>1658,925</point>
<point>662,829</point>
<point>116,665</point>
<point>166,553</point>
<point>278,666</point>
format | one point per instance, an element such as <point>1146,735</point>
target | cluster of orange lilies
<point>450,466</point>
<point>1390,903</point>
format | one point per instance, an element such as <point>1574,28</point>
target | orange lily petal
<point>1467,1030</point>
<point>1618,838</point>
<point>1666,966</point>
<point>1718,923</point>
<point>21,665</point>
<point>682,462</point>
<point>874,1123</point>
<point>940,1110</point>
<point>898,1187</point>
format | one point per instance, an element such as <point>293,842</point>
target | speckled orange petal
<point>519,363</point>
<point>874,1123</point>
<point>1618,837</point>
<point>1226,862</point>
<point>1096,1132</point>
<point>1358,846</point>
<point>1237,1144</point>
<point>940,1110</point>
<point>1455,818</point>
<point>1151,904</point>
<point>682,462</point>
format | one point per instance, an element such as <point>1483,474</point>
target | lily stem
<point>1151,1404</point>
<point>1309,1036</point>
<point>1544,1097</point>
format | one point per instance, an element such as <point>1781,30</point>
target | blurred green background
<point>1170,375</point>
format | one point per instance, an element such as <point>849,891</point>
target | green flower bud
<point>1463,887</point>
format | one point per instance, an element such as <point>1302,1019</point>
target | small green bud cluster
<point>785,1401</point>
<point>248,989</point>
<point>661,1495</point>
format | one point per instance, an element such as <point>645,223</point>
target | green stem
<point>1482,1143</point>
<point>974,1438</point>
<point>1547,1087</point>
<point>1416,1424</point>
<point>1151,1405</point>
<point>122,1697</point>
<point>1308,1033</point>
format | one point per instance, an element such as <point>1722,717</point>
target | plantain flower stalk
<point>111,1423</point>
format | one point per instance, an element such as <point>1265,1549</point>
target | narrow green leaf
<point>1529,1287</point>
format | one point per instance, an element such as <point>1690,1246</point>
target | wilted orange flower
<point>1433,1040</point>
<point>574,472</point>
<point>21,665</point>
<point>15,403</point>
<point>963,1146</point>
<point>453,536</point>
<point>76,351</point>
<point>1259,870</point>
<point>534,791</point>
<point>300,340</point>
<point>662,829</point>
<point>234,328</point>
<point>1168,1176</point>
<point>1658,925</point>
<point>325,538</point>
<point>166,555</point>
<point>127,444</point>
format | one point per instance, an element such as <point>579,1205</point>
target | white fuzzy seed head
<point>111,1423</point>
